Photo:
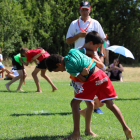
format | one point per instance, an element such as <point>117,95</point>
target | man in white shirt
<point>80,27</point>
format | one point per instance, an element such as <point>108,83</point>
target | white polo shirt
<point>74,30</point>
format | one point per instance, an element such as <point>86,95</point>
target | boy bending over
<point>95,83</point>
<point>41,66</point>
<point>18,65</point>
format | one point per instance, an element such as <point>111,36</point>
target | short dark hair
<point>94,37</point>
<point>117,59</point>
<point>23,50</point>
<point>52,60</point>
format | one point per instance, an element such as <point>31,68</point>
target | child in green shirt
<point>17,65</point>
<point>95,83</point>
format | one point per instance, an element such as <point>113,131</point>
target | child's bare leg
<point>12,81</point>
<point>48,79</point>
<point>11,75</point>
<point>22,75</point>
<point>97,104</point>
<point>89,110</point>
<point>83,112</point>
<point>34,74</point>
<point>76,120</point>
<point>121,79</point>
<point>109,74</point>
<point>20,72</point>
<point>118,114</point>
<point>7,70</point>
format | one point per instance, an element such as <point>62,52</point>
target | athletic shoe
<point>98,110</point>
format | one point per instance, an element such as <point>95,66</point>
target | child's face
<point>84,12</point>
<point>94,47</point>
<point>24,54</point>
<point>60,67</point>
<point>115,62</point>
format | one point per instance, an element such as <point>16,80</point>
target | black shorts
<point>16,65</point>
<point>115,77</point>
<point>42,64</point>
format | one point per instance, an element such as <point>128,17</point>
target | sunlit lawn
<point>47,116</point>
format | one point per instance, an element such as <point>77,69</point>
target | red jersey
<point>31,53</point>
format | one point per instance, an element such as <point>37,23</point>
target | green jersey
<point>76,60</point>
<point>17,57</point>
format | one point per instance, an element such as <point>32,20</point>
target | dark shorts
<point>42,64</point>
<point>115,77</point>
<point>16,65</point>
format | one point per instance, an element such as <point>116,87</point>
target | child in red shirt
<point>41,66</point>
<point>18,65</point>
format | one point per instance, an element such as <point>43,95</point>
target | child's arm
<point>81,78</point>
<point>24,63</point>
<point>99,64</point>
<point>119,68</point>
<point>36,62</point>
<point>82,74</point>
<point>33,59</point>
<point>110,68</point>
<point>96,58</point>
<point>36,56</point>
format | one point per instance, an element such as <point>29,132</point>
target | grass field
<point>47,116</point>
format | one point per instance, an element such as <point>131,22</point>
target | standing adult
<point>107,44</point>
<point>81,26</point>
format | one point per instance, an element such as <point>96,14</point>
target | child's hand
<point>43,51</point>
<point>20,59</point>
<point>72,75</point>
<point>96,56</point>
<point>85,71</point>
<point>82,34</point>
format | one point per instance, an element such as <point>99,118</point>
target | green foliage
<point>44,23</point>
<point>121,21</point>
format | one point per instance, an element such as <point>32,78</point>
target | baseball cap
<point>85,4</point>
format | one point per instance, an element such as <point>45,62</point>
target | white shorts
<point>76,86</point>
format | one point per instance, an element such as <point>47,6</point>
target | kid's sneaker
<point>98,110</point>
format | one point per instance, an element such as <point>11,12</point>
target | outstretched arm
<point>24,63</point>
<point>33,59</point>
<point>96,58</point>
<point>82,74</point>
<point>36,56</point>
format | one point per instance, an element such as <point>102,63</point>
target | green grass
<point>47,116</point>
